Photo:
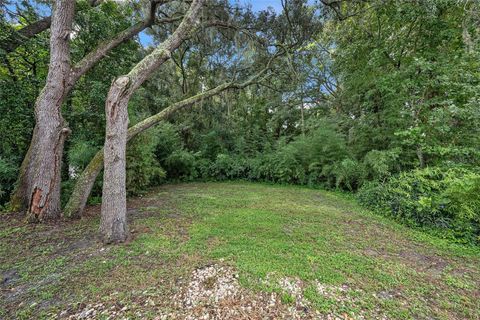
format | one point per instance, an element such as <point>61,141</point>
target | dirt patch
<point>211,292</point>
<point>424,263</point>
<point>9,277</point>
<point>412,257</point>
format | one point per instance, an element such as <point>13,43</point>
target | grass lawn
<point>290,242</point>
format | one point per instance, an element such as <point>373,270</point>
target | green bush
<point>228,167</point>
<point>180,165</point>
<point>308,159</point>
<point>446,200</point>
<point>323,146</point>
<point>80,154</point>
<point>257,168</point>
<point>379,165</point>
<point>143,169</point>
<point>349,174</point>
<point>8,174</point>
<point>284,166</point>
<point>203,168</point>
<point>168,141</point>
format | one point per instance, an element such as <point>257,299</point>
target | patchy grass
<point>340,259</point>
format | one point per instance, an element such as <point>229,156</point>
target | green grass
<point>267,233</point>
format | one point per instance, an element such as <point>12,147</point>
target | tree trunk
<point>43,182</point>
<point>18,200</point>
<point>113,225</point>
<point>421,157</point>
<point>38,188</point>
<point>83,187</point>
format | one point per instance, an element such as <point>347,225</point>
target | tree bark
<point>420,156</point>
<point>39,188</point>
<point>113,225</point>
<point>83,187</point>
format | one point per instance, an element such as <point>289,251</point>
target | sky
<point>258,5</point>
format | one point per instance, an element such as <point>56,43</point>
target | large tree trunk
<point>113,225</point>
<point>38,189</point>
<point>44,172</point>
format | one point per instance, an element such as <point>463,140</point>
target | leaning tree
<point>113,225</point>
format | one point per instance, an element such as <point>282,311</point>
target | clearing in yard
<point>236,251</point>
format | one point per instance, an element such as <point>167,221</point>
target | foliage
<point>379,165</point>
<point>143,168</point>
<point>349,174</point>
<point>228,167</point>
<point>445,199</point>
<point>180,164</point>
<point>79,154</point>
<point>8,173</point>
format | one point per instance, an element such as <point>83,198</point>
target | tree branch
<point>19,37</point>
<point>84,65</point>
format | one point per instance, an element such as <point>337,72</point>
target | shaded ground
<point>236,251</point>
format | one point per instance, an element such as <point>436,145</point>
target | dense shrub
<point>143,169</point>
<point>228,167</point>
<point>379,165</point>
<point>322,146</point>
<point>447,200</point>
<point>79,155</point>
<point>301,161</point>
<point>8,174</point>
<point>169,140</point>
<point>284,166</point>
<point>349,174</point>
<point>203,168</point>
<point>257,168</point>
<point>320,157</point>
<point>180,165</point>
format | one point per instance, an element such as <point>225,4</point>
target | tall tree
<point>113,225</point>
<point>43,182</point>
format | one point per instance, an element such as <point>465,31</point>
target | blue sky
<point>258,5</point>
